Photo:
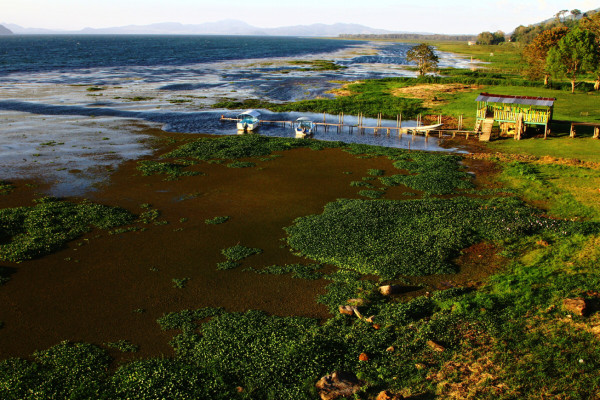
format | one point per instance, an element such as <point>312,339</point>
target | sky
<point>437,16</point>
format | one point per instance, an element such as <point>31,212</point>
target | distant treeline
<point>411,36</point>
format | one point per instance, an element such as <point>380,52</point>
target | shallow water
<point>51,102</point>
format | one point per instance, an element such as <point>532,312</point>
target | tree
<point>574,54</point>
<point>424,56</point>
<point>536,52</point>
<point>592,23</point>
<point>499,37</point>
<point>485,38</point>
<point>560,14</point>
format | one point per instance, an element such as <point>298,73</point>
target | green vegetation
<point>361,184</point>
<point>138,98</point>
<point>318,65</point>
<point>575,54</point>
<point>173,170</point>
<point>241,164</point>
<point>239,252</point>
<point>424,56</point>
<point>506,338</point>
<point>95,88</point>
<point>29,232</point>
<point>299,271</point>
<point>243,146</point>
<point>364,235</point>
<point>186,320</point>
<point>180,283</point>
<point>367,103</point>
<point>225,265</point>
<point>376,172</point>
<point>124,346</point>
<point>216,220</point>
<point>6,188</point>
<point>372,194</point>
<point>565,191</point>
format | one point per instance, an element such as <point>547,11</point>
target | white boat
<point>304,127</point>
<point>425,128</point>
<point>248,120</point>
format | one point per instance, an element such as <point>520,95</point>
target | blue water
<point>45,96</point>
<point>68,52</point>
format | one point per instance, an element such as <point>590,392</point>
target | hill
<point>225,27</point>
<point>5,31</point>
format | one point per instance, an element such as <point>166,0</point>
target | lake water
<point>169,82</point>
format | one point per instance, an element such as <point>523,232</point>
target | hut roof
<point>526,100</point>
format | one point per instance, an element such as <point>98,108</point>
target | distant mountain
<point>5,31</point>
<point>226,27</point>
<point>19,30</point>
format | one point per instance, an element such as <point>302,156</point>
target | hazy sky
<point>441,16</point>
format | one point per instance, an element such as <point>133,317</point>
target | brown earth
<point>104,288</point>
<point>430,92</point>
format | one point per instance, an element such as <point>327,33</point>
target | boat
<point>424,128</point>
<point>248,121</point>
<point>304,127</point>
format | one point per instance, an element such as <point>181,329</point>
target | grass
<point>565,191</point>
<point>30,232</point>
<point>584,149</point>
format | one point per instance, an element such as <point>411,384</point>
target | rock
<point>435,347</point>
<point>363,357</point>
<point>387,395</point>
<point>337,385</point>
<point>388,290</point>
<point>348,310</point>
<point>576,306</point>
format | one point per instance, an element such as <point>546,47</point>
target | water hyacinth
<point>413,237</point>
<point>30,232</point>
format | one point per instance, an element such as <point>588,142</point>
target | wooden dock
<point>398,130</point>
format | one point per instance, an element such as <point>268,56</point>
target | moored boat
<point>304,127</point>
<point>248,121</point>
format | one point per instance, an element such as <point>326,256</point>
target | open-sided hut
<point>513,114</point>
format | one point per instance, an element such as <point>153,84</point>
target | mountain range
<point>225,27</point>
<point>5,31</point>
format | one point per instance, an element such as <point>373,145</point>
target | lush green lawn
<point>585,149</point>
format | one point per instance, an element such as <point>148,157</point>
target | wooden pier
<point>340,126</point>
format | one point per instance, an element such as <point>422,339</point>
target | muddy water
<point>89,291</point>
